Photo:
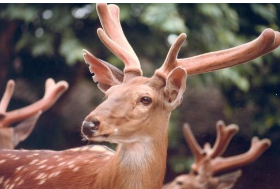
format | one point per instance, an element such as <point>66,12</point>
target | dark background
<point>39,41</point>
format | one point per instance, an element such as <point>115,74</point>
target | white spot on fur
<point>76,169</point>
<point>54,174</point>
<point>17,178</point>
<point>60,159</point>
<point>20,182</point>
<point>33,172</point>
<point>62,163</point>
<point>41,176</point>
<point>42,182</point>
<point>7,182</point>
<point>50,167</point>
<point>2,161</point>
<point>11,187</point>
<point>41,162</point>
<point>70,162</point>
<point>33,161</point>
<point>42,166</point>
<point>32,155</point>
<point>16,158</point>
<point>1,179</point>
<point>19,168</point>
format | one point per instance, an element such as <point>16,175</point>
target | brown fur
<point>140,130</point>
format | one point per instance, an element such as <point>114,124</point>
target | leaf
<point>164,17</point>
<point>268,12</point>
<point>71,49</point>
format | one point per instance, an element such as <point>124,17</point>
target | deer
<point>208,161</point>
<point>25,118</point>
<point>134,114</point>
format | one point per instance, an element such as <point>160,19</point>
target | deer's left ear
<point>24,128</point>
<point>175,87</point>
<point>228,180</point>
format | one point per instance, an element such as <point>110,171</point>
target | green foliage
<point>71,48</point>
<point>181,164</point>
<point>164,17</point>
<point>22,12</point>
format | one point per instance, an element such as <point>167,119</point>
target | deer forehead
<point>136,86</point>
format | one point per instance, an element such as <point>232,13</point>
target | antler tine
<point>171,59</point>
<point>266,42</point>
<point>52,93</point>
<point>7,97</point>
<point>258,147</point>
<point>224,136</point>
<point>113,37</point>
<point>196,150</point>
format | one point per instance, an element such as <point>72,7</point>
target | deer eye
<point>180,183</point>
<point>146,100</point>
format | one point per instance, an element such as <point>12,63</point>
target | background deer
<point>208,161</point>
<point>26,117</point>
<point>135,115</point>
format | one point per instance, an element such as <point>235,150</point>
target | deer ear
<point>175,86</point>
<point>24,128</point>
<point>105,74</point>
<point>227,181</point>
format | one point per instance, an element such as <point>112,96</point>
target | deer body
<point>51,169</point>
<point>139,161</point>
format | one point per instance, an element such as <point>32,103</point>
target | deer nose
<point>89,128</point>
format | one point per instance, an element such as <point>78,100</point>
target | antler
<point>198,153</point>
<point>113,37</point>
<point>52,92</point>
<point>224,136</point>
<point>6,97</point>
<point>211,155</point>
<point>266,42</point>
<point>258,147</point>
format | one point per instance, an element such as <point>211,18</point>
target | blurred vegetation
<point>55,34</point>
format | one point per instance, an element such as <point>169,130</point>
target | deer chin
<point>113,137</point>
<point>101,136</point>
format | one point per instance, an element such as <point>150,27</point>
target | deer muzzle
<point>90,128</point>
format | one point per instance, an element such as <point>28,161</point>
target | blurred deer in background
<point>135,115</point>
<point>26,117</point>
<point>208,161</point>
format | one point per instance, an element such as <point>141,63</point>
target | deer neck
<point>139,165</point>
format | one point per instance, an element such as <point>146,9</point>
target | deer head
<point>133,102</point>
<point>208,161</point>
<point>26,117</point>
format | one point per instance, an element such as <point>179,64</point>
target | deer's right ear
<point>105,74</point>
<point>175,87</point>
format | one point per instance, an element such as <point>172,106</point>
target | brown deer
<point>26,117</point>
<point>208,161</point>
<point>135,115</point>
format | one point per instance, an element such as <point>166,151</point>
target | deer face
<point>132,109</point>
